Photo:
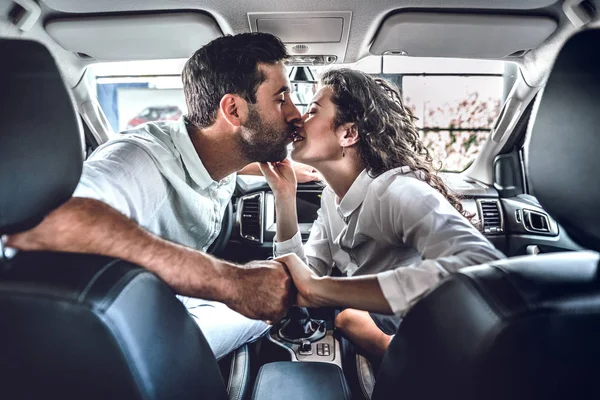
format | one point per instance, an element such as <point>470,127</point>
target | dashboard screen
<point>307,205</point>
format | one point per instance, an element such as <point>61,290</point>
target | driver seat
<point>80,326</point>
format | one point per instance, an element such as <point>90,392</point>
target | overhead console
<point>460,34</point>
<point>311,38</point>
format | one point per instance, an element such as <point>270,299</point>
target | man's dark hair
<point>228,64</point>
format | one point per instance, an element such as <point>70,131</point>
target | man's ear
<point>234,109</point>
<point>348,135</point>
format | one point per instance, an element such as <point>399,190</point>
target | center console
<point>315,368</point>
<point>306,338</point>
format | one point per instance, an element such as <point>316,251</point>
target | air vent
<point>491,216</point>
<point>250,217</point>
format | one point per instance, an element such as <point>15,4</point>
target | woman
<point>387,221</point>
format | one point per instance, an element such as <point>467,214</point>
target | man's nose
<point>298,122</point>
<point>293,115</point>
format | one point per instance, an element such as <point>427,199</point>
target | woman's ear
<point>348,134</point>
<point>234,110</point>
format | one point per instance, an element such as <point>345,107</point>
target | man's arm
<point>304,173</point>
<point>260,290</point>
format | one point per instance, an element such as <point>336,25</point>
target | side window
<point>455,114</point>
<point>302,94</point>
<point>129,101</point>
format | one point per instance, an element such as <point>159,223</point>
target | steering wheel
<point>218,246</point>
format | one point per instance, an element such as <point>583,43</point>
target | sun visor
<point>461,35</point>
<point>135,37</point>
<point>311,38</point>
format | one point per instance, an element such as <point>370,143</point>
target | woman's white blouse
<point>395,226</point>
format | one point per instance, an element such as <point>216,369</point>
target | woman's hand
<point>281,178</point>
<point>305,280</point>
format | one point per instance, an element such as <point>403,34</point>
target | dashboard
<point>516,226</point>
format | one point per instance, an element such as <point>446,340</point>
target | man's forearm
<point>250,169</point>
<point>90,226</point>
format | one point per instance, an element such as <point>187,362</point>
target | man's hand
<point>262,290</point>
<point>306,173</point>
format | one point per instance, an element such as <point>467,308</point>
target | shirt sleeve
<point>316,253</point>
<point>422,218</point>
<point>124,176</point>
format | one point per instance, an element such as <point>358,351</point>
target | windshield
<point>456,101</point>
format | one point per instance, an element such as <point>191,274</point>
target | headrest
<point>41,143</point>
<point>563,154</point>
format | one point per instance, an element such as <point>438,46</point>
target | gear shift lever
<point>298,326</point>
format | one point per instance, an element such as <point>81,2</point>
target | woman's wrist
<point>319,294</point>
<point>285,197</point>
<point>287,219</point>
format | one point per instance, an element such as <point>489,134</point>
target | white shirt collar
<point>191,160</point>
<point>355,195</point>
<point>358,191</point>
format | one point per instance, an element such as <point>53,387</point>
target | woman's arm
<point>288,239</point>
<point>282,180</point>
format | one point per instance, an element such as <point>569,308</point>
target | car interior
<point>521,328</point>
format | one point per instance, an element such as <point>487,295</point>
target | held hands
<point>264,290</point>
<point>306,281</point>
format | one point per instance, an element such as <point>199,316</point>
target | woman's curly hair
<point>388,135</point>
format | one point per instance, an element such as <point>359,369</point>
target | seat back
<point>77,326</point>
<point>524,328</point>
<point>528,327</point>
<point>88,327</point>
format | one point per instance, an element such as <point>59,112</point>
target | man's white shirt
<point>154,176</point>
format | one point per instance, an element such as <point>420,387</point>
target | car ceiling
<point>232,17</point>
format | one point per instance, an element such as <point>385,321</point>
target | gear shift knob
<point>298,326</point>
<point>298,313</point>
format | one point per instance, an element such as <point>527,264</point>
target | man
<point>173,179</point>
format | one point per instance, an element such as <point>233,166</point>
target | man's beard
<point>264,142</point>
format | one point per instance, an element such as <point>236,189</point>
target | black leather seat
<point>528,327</point>
<point>79,326</point>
